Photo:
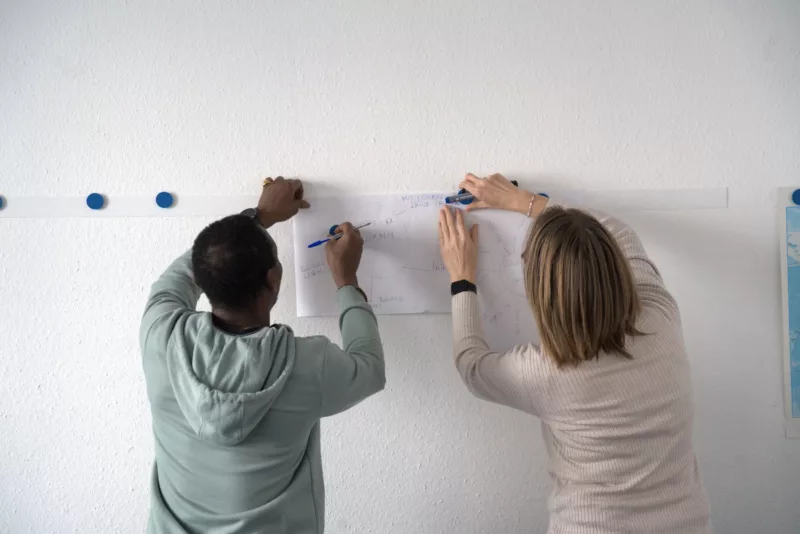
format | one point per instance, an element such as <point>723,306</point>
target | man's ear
<point>269,281</point>
<point>274,279</point>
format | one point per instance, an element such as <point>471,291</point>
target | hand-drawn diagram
<point>402,270</point>
<point>507,317</point>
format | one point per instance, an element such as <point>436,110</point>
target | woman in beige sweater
<point>610,381</point>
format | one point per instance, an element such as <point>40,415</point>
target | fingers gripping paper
<point>402,270</point>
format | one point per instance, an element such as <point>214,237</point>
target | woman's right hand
<point>496,192</point>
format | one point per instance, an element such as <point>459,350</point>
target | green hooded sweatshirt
<point>236,417</point>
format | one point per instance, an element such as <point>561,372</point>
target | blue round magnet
<point>2,203</point>
<point>796,197</point>
<point>95,201</point>
<point>165,200</point>
<point>332,231</point>
<point>466,200</point>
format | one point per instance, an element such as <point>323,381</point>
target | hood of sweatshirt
<point>226,383</point>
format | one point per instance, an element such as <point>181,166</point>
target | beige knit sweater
<point>618,432</point>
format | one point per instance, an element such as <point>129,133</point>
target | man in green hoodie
<point>236,400</point>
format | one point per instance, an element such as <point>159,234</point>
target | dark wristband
<point>461,286</point>
<point>253,214</point>
<point>359,290</point>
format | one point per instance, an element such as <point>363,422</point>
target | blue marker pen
<point>332,236</point>
<point>465,197</point>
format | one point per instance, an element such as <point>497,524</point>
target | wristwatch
<point>253,214</point>
<point>462,286</point>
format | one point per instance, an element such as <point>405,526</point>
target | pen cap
<point>466,200</point>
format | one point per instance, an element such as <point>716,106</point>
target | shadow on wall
<point>722,266</point>
<point>690,237</point>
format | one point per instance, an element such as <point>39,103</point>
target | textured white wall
<point>206,98</point>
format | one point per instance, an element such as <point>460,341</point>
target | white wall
<point>206,98</point>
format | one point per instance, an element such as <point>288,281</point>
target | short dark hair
<point>230,259</point>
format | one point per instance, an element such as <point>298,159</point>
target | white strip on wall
<point>188,206</point>
<point>651,199</point>
<point>127,206</point>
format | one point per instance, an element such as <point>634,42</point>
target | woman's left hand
<point>459,247</point>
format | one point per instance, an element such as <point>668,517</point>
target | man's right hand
<point>344,255</point>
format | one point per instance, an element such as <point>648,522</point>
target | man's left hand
<point>280,200</point>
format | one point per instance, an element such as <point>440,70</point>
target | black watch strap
<point>253,214</point>
<point>362,294</point>
<point>461,286</point>
<point>359,290</point>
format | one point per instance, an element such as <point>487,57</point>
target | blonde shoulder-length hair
<point>580,287</point>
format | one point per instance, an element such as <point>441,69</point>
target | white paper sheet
<point>402,271</point>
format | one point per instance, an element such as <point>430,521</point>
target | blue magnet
<point>165,200</point>
<point>95,201</point>
<point>796,197</point>
<point>332,231</point>
<point>2,203</point>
